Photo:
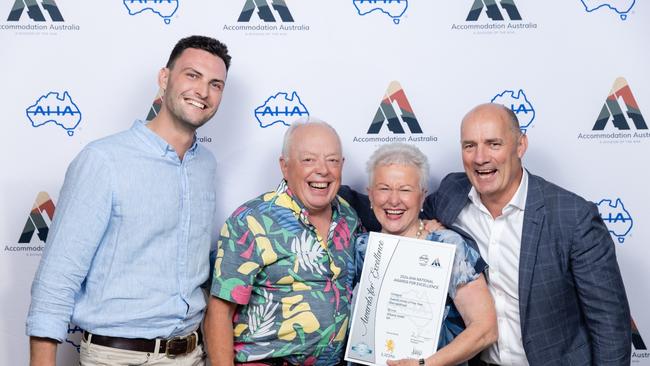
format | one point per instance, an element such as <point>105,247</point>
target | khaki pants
<point>95,355</point>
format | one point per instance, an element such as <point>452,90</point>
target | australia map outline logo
<point>163,8</point>
<point>517,102</point>
<point>395,9</point>
<point>53,108</point>
<point>620,7</point>
<point>281,108</point>
<point>618,220</point>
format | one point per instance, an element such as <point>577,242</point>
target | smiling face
<point>313,166</point>
<point>492,150</point>
<point>193,87</point>
<point>396,198</point>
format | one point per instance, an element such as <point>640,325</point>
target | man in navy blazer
<point>553,272</point>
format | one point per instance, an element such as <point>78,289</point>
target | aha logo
<point>51,108</point>
<point>616,217</point>
<point>519,104</point>
<point>612,109</point>
<point>39,219</point>
<point>395,99</point>
<point>74,336</point>
<point>34,11</point>
<point>395,9</point>
<point>280,108</point>
<point>424,261</point>
<point>492,10</point>
<point>264,11</point>
<point>163,8</point>
<point>620,7</point>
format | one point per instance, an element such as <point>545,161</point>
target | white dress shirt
<point>499,242</point>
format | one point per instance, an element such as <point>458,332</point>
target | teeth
<point>318,185</point>
<point>485,171</point>
<point>394,212</point>
<point>196,104</point>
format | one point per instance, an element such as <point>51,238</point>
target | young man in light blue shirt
<point>128,248</point>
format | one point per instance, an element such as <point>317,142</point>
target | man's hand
<point>432,225</point>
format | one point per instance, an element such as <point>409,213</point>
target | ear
<point>284,167</point>
<point>163,77</point>
<point>522,146</point>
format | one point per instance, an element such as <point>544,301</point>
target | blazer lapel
<point>530,237</point>
<point>457,199</point>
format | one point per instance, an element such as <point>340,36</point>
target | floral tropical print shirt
<point>293,287</point>
<point>468,266</point>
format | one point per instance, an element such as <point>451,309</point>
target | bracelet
<point>421,361</point>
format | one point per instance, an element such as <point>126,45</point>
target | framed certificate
<point>400,299</point>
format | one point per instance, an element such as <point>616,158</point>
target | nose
<point>202,89</point>
<point>393,197</point>
<point>480,156</point>
<point>321,167</point>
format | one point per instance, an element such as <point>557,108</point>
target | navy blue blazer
<point>572,302</point>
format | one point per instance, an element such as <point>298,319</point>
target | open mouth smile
<point>319,185</point>
<point>195,103</point>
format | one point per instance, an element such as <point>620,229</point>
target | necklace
<point>420,230</point>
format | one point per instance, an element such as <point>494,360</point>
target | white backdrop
<point>339,57</point>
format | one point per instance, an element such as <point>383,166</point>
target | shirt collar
<point>145,133</point>
<point>517,201</point>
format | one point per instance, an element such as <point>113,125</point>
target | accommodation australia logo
<point>36,16</point>
<point>620,119</point>
<point>36,227</point>
<point>266,17</point>
<point>640,350</point>
<point>395,120</point>
<point>493,17</point>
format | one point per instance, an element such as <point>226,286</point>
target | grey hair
<point>402,154</point>
<point>303,121</point>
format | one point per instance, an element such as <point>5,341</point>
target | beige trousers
<point>95,355</point>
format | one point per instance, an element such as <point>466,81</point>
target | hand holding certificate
<point>400,299</point>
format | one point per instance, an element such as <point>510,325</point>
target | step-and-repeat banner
<point>576,72</point>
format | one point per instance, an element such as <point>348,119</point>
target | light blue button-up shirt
<point>129,245</point>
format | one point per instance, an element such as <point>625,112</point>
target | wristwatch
<point>421,361</point>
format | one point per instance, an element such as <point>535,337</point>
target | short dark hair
<point>208,44</point>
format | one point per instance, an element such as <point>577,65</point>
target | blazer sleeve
<point>600,289</point>
<point>361,205</point>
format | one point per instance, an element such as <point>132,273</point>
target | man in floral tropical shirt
<point>282,280</point>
